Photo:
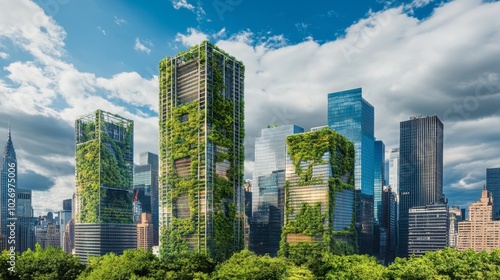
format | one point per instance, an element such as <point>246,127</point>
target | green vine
<point>186,132</point>
<point>310,224</point>
<point>103,167</point>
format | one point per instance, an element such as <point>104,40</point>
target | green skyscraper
<point>201,152</point>
<point>104,172</point>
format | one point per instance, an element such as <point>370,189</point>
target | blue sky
<point>60,59</point>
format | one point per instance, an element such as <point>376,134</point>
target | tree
<point>249,266</point>
<point>48,263</point>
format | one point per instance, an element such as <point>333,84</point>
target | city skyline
<point>47,82</point>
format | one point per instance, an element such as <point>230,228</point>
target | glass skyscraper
<point>202,131</point>
<point>268,191</point>
<point>378,185</point>
<point>493,186</point>
<point>146,188</point>
<point>104,172</point>
<point>420,169</point>
<point>353,117</point>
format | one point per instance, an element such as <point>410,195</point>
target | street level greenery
<point>53,263</point>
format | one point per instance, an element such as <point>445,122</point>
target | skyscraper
<point>378,175</point>
<point>353,117</point>
<point>389,223</point>
<point>268,189</point>
<point>104,171</point>
<point>480,232</point>
<point>420,169</point>
<point>25,225</point>
<point>394,170</point>
<point>9,180</point>
<point>427,228</point>
<point>493,186</point>
<point>146,188</point>
<point>319,195</point>
<point>201,152</point>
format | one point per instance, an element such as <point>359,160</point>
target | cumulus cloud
<point>178,4</point>
<point>193,37</point>
<point>45,90</point>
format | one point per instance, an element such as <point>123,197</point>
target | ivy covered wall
<point>323,165</point>
<point>104,162</point>
<point>201,151</point>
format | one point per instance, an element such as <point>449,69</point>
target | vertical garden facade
<point>201,152</point>
<point>104,180</point>
<point>319,196</point>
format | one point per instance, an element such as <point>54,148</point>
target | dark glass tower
<point>202,131</point>
<point>104,172</point>
<point>493,186</point>
<point>353,117</point>
<point>378,185</point>
<point>146,187</point>
<point>9,180</point>
<point>268,193</point>
<point>420,169</point>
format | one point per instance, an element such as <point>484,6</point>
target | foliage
<point>187,131</point>
<point>352,267</point>
<point>49,263</point>
<point>103,161</point>
<point>247,265</point>
<point>310,224</point>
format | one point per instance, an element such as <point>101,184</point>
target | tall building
<point>68,242</point>
<point>493,186</point>
<point>454,216</point>
<point>146,188</point>
<point>394,170</point>
<point>268,189</point>
<point>8,177</point>
<point>389,223</point>
<point>427,229</point>
<point>480,232</point>
<point>319,195</point>
<point>353,117</point>
<point>48,235</point>
<point>420,169</point>
<point>104,171</point>
<point>378,185</point>
<point>145,231</point>
<point>201,152</point>
<point>25,225</point>
<point>65,216</point>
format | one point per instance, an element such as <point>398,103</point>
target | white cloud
<point>141,47</point>
<point>4,55</point>
<point>102,30</point>
<point>178,4</point>
<point>193,37</point>
<point>119,21</point>
<point>219,35</point>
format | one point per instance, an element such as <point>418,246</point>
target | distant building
<point>420,170</point>
<point>248,211</point>
<point>145,231</point>
<point>319,195</point>
<point>48,236</point>
<point>427,229</point>
<point>268,189</point>
<point>353,117</point>
<point>65,216</point>
<point>454,215</point>
<point>493,186</point>
<point>480,232</point>
<point>378,175</point>
<point>68,243</point>
<point>389,223</point>
<point>394,170</point>
<point>146,190</point>
<point>104,172</point>
<point>8,180</point>
<point>25,223</point>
